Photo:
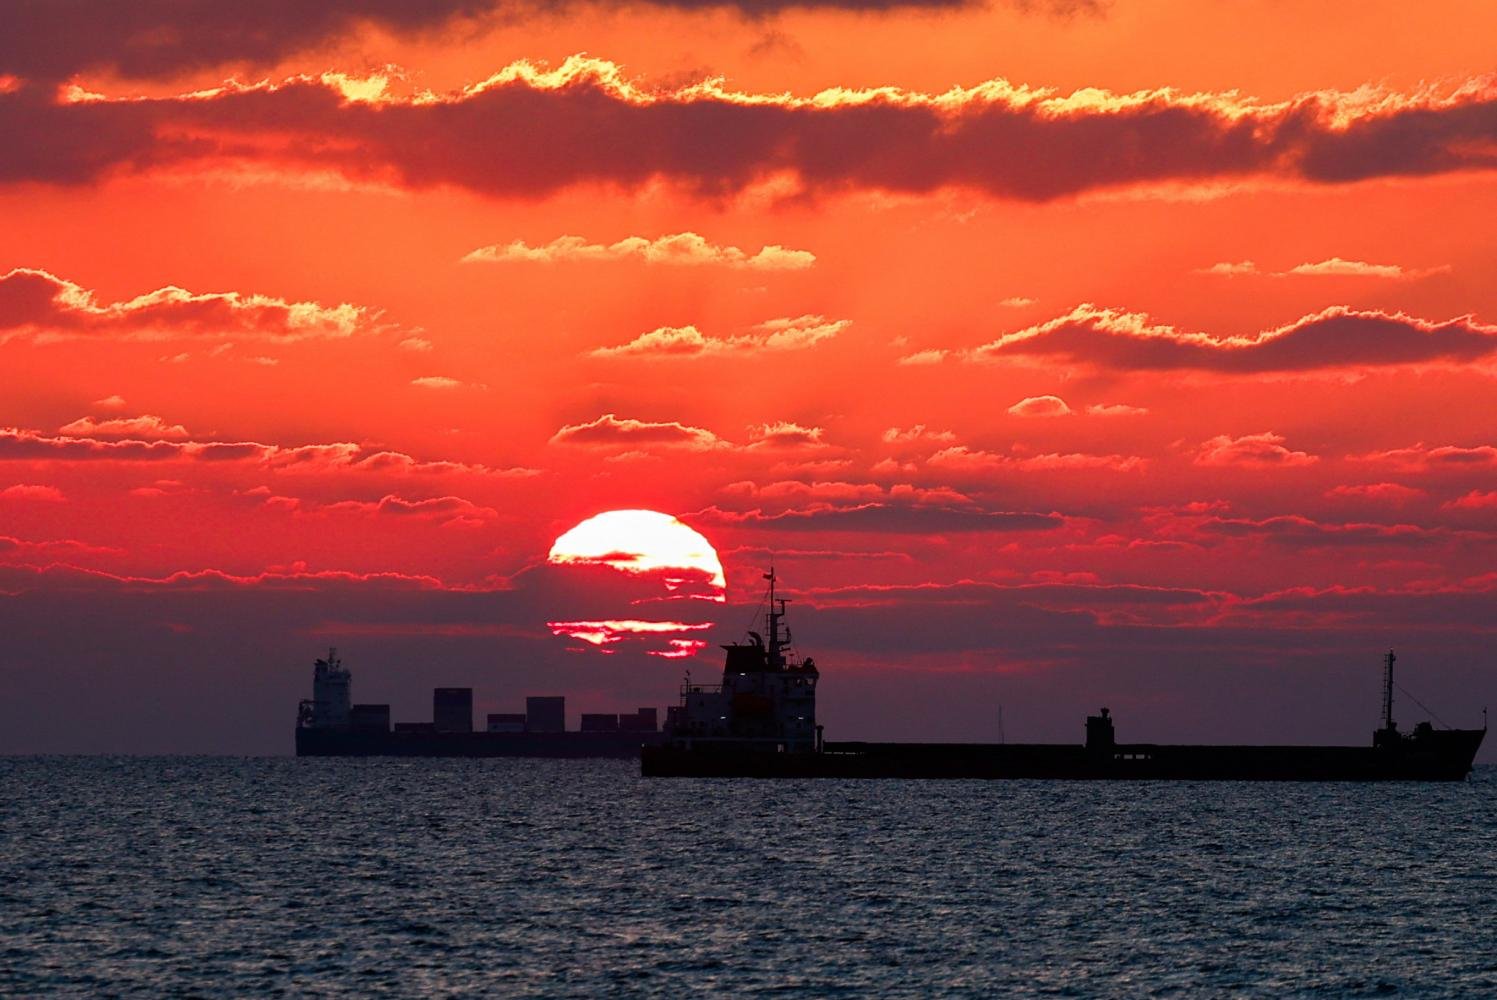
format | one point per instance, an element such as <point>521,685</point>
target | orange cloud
<point>585,123</point>
<point>12,548</point>
<point>1339,268</point>
<point>897,435</point>
<point>1040,406</point>
<point>444,382</point>
<point>682,249</point>
<point>610,430</point>
<point>41,306</point>
<point>1116,410</point>
<point>785,434</point>
<point>1304,532</point>
<point>1333,267</point>
<point>963,459</point>
<point>31,491</point>
<point>784,334</point>
<point>1253,450</point>
<point>1421,457</point>
<point>1333,338</point>
<point>795,490</point>
<point>145,428</point>
<point>18,444</point>
<point>1475,500</point>
<point>447,509</point>
<point>1394,493</point>
<point>890,518</point>
<point>297,578</point>
<point>792,492</point>
<point>1231,268</point>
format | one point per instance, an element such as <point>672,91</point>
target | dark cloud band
<point>1333,338</point>
<point>53,39</point>
<point>528,134</point>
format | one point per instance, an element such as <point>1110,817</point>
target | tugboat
<point>760,722</point>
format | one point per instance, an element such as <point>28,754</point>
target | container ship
<point>760,722</point>
<point>330,725</point>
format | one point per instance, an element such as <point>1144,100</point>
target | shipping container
<point>506,722</point>
<point>599,722</point>
<point>545,713</point>
<point>452,710</point>
<point>370,718</point>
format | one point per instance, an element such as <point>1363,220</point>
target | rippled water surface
<point>168,876</point>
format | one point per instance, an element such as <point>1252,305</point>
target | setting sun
<point>670,560</point>
<point>640,541</point>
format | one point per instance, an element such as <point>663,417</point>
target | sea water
<point>265,876</point>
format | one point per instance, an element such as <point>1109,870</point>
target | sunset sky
<point>1060,354</point>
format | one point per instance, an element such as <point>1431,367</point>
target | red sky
<point>1062,354</point>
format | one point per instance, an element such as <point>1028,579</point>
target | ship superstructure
<point>766,701</point>
<point>331,704</point>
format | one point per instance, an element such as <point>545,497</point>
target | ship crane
<point>1388,691</point>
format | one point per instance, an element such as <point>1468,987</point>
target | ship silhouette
<point>760,722</point>
<point>329,725</point>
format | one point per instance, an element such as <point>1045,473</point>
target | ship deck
<point>571,744</point>
<point>1446,758</point>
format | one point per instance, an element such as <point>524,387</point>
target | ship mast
<point>1388,690</point>
<point>776,614</point>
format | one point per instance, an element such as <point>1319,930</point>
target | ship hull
<point>1447,756</point>
<point>343,743</point>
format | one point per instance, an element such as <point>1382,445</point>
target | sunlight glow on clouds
<point>1253,450</point>
<point>37,304</point>
<point>784,334</point>
<point>1040,406</point>
<point>682,249</point>
<point>609,430</point>
<point>1333,267</point>
<point>1335,337</point>
<point>579,124</point>
<point>145,427</point>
